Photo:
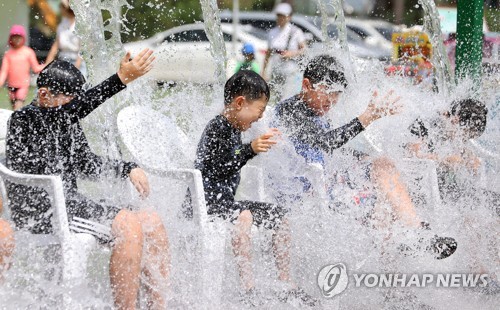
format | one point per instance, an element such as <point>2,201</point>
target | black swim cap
<point>61,77</point>
<point>325,68</point>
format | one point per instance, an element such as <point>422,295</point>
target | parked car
<point>183,53</point>
<point>385,28</point>
<point>357,46</point>
<point>369,33</point>
<point>267,20</point>
<point>311,25</point>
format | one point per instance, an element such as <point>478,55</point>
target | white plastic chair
<point>159,147</point>
<point>4,118</point>
<point>75,248</point>
<point>490,167</point>
<point>422,181</point>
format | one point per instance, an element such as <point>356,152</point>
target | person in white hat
<point>286,43</point>
<point>67,44</point>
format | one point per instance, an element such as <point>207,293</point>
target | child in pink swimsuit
<point>16,65</point>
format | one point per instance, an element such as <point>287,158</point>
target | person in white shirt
<point>286,43</point>
<point>67,44</point>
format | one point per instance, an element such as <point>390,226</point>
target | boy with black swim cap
<point>46,138</point>
<point>301,117</point>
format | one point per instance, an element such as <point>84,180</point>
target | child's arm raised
<point>310,132</point>
<point>378,108</point>
<point>83,104</point>
<point>131,69</point>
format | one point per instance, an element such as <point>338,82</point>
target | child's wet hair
<point>245,83</point>
<point>61,77</point>
<point>325,68</point>
<point>471,115</point>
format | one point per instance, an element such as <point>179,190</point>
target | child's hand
<point>380,107</point>
<point>131,69</point>
<point>140,181</point>
<point>264,142</point>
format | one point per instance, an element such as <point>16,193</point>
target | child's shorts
<point>16,93</point>
<point>265,215</point>
<point>33,212</point>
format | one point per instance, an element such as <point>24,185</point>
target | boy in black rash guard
<point>301,117</point>
<point>220,157</point>
<point>46,138</point>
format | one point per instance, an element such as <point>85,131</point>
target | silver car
<point>183,53</point>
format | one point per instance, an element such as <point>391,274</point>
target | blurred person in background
<point>16,65</point>
<point>67,44</point>
<point>286,43</point>
<point>248,63</point>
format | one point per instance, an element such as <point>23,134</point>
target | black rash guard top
<point>51,141</point>
<point>311,134</point>
<point>219,157</point>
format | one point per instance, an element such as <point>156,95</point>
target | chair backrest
<point>4,119</point>
<point>51,184</point>
<point>153,139</point>
<point>159,146</point>
<point>490,167</point>
<point>422,181</point>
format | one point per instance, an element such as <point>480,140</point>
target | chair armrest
<point>51,184</point>
<point>482,152</point>
<point>315,173</point>
<point>194,181</point>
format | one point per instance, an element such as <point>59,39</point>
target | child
<point>303,118</point>
<point>46,138</point>
<point>249,62</point>
<point>16,65</point>
<point>443,138</point>
<point>67,43</point>
<point>220,157</point>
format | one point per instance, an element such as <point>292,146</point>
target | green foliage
<point>144,18</point>
<point>493,19</point>
<point>5,101</point>
<point>246,5</point>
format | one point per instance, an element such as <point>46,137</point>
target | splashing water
<point>440,59</point>
<point>320,235</point>
<point>218,48</point>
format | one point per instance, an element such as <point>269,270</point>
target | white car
<point>358,47</point>
<point>183,53</point>
<point>385,28</point>
<point>369,33</point>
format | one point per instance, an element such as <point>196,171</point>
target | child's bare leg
<point>7,245</point>
<point>17,104</point>
<point>242,248</point>
<point>389,184</point>
<point>281,247</point>
<point>125,263</point>
<point>156,259</point>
